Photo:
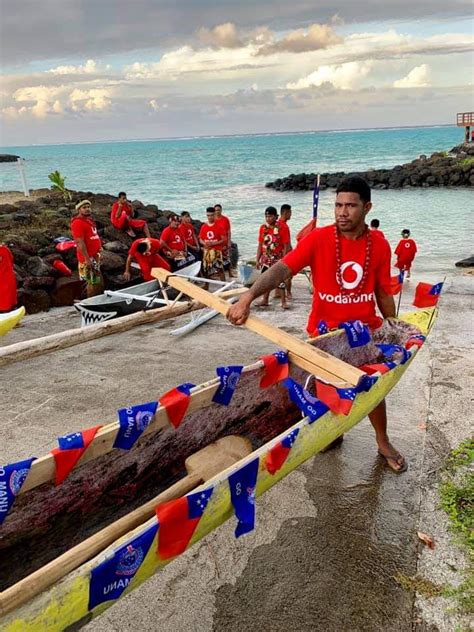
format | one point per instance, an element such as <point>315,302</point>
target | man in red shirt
<point>172,242</point>
<point>121,217</point>
<point>351,275</point>
<point>273,244</point>
<point>84,232</point>
<point>285,216</point>
<point>374,227</point>
<point>146,252</point>
<point>189,235</point>
<point>8,295</point>
<point>405,251</point>
<point>224,224</point>
<point>213,240</point>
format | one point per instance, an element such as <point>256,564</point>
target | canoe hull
<point>10,319</point>
<point>66,603</point>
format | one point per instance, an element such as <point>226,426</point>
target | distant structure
<point>466,120</point>
<point>20,163</point>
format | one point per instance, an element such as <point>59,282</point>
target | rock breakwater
<point>454,168</point>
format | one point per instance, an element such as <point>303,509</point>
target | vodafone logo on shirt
<point>351,274</point>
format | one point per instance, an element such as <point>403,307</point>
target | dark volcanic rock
<point>465,263</point>
<point>116,246</point>
<point>37,267</point>
<point>35,301</point>
<point>67,290</point>
<point>34,282</point>
<point>111,261</point>
<point>454,168</point>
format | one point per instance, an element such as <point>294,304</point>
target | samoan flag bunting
<point>276,368</point>
<point>427,295</point>
<point>322,328</point>
<point>277,456</point>
<point>390,350</point>
<point>415,341</point>
<point>178,521</point>
<point>12,477</point>
<point>176,402</point>
<point>229,377</point>
<point>71,448</point>
<point>338,400</point>
<point>357,333</point>
<point>242,494</point>
<point>309,405</point>
<point>396,283</point>
<point>379,367</point>
<point>110,578</point>
<point>133,421</point>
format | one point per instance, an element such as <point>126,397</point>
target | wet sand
<point>330,537</point>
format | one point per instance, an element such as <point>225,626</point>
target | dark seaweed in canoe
<point>46,521</point>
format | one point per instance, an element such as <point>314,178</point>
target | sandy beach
<point>336,532</point>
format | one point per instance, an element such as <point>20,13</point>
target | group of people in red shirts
<point>405,251</point>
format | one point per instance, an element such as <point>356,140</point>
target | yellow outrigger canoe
<point>108,482</point>
<point>10,319</point>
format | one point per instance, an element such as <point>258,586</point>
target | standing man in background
<point>89,245</point>
<point>273,242</point>
<point>213,240</point>
<point>285,216</point>
<point>223,223</point>
<point>189,235</point>
<point>405,252</point>
<point>374,227</point>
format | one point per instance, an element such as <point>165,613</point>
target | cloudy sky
<point>84,70</point>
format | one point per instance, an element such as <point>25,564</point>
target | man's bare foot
<point>285,305</point>
<point>395,461</point>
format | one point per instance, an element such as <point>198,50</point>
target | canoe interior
<point>47,520</point>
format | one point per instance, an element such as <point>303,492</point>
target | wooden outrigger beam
<point>322,364</point>
<point>70,337</point>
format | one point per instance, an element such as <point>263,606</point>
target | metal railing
<point>464,118</point>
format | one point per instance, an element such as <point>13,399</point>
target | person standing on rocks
<point>121,217</point>
<point>89,245</point>
<point>351,277</point>
<point>405,252</point>
<point>8,295</point>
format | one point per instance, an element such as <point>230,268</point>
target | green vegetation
<point>58,184</point>
<point>419,584</point>
<point>457,500</point>
<point>467,162</point>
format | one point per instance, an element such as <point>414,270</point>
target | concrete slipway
<point>330,537</point>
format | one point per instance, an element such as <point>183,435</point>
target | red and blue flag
<point>277,456</point>
<point>338,400</point>
<point>71,448</point>
<point>309,405</point>
<point>178,521</point>
<point>427,295</point>
<point>176,402</point>
<point>276,368</point>
<point>242,494</point>
<point>229,377</point>
<point>415,341</point>
<point>133,421</point>
<point>12,477</point>
<point>396,283</point>
<point>110,578</point>
<point>311,225</point>
<point>322,328</point>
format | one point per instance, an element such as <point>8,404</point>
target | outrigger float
<point>93,519</point>
<point>10,320</point>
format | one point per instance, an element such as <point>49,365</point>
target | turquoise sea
<point>192,173</point>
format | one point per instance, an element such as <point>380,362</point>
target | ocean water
<point>193,173</point>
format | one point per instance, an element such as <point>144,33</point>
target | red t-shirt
<point>284,225</point>
<point>378,231</point>
<point>272,240</point>
<point>212,233</point>
<point>318,250</point>
<point>85,228</point>
<point>405,250</point>
<point>125,207</point>
<point>188,234</point>
<point>173,238</point>
<point>224,225</point>
<point>155,246</point>
<point>8,294</point>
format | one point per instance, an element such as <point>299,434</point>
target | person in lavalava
<point>145,251</point>
<point>223,222</point>
<point>122,218</point>
<point>172,242</point>
<point>405,252</point>
<point>89,245</point>
<point>213,240</point>
<point>351,277</point>
<point>273,244</point>
<point>8,294</point>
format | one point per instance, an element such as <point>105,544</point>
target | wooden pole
<point>324,365</point>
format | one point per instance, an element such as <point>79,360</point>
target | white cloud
<point>418,77</point>
<point>94,99</point>
<point>221,36</point>
<point>89,68</point>
<point>318,36</point>
<point>156,106</point>
<point>343,76</point>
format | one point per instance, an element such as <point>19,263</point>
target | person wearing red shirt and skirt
<point>405,252</point>
<point>213,241</point>
<point>273,244</point>
<point>351,277</point>
<point>89,245</point>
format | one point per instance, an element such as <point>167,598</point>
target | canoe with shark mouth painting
<point>274,409</point>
